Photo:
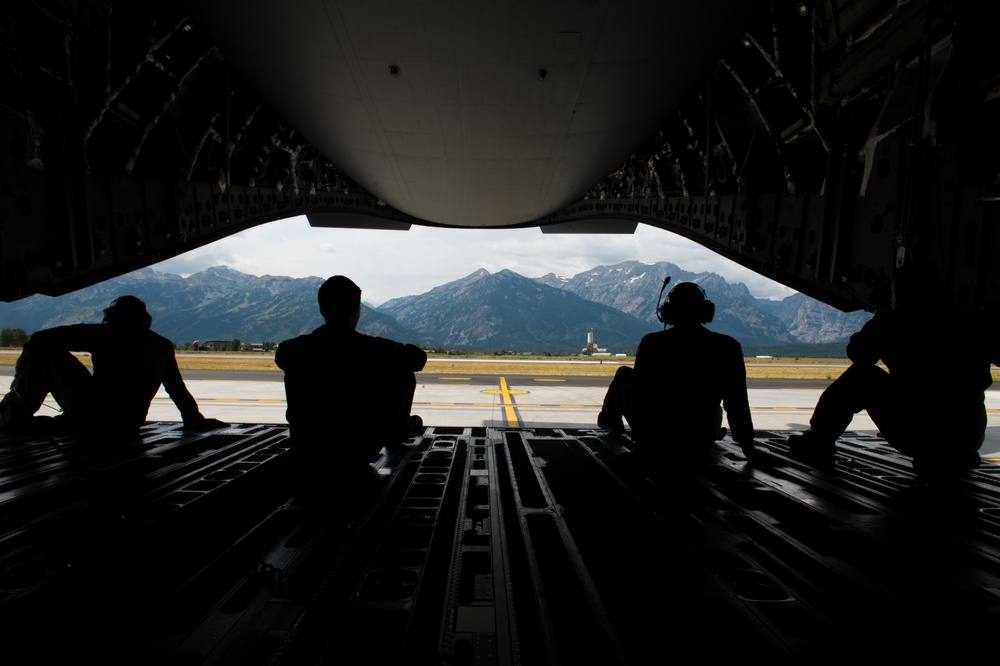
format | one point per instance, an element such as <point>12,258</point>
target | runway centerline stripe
<point>510,412</point>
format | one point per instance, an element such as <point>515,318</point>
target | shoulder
<point>292,343</point>
<point>159,340</point>
<point>732,346</point>
<point>123,339</point>
<point>153,342</point>
<point>365,341</point>
<point>719,343</point>
<point>883,320</point>
<point>294,347</point>
<point>881,326</point>
<point>723,340</point>
<point>657,338</point>
<point>359,338</point>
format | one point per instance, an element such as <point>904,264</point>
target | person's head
<point>340,302</point>
<point>686,304</point>
<point>127,312</point>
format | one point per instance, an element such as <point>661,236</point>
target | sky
<point>389,264</point>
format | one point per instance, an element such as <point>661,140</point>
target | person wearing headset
<point>130,363</point>
<point>682,378</point>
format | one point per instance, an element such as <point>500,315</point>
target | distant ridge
<point>217,303</point>
<point>505,311</point>
<point>633,287</point>
<point>484,311</point>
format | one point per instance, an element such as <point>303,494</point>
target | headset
<point>691,304</point>
<point>128,310</point>
<point>659,306</point>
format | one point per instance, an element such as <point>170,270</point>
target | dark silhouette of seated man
<point>682,374</point>
<point>348,393</point>
<point>930,404</point>
<point>130,363</point>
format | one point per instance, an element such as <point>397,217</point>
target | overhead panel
<point>546,97</point>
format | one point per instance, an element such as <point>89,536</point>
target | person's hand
<point>205,424</point>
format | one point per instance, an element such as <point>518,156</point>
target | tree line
<point>13,337</point>
<point>233,345</point>
<point>16,337</point>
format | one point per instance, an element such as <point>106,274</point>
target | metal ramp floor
<point>489,546</point>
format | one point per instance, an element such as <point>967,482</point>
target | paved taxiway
<point>474,400</point>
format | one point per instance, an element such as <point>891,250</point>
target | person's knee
<point>859,387</point>
<point>623,374</point>
<point>44,357</point>
<point>42,350</point>
<point>863,374</point>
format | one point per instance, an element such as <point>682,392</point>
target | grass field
<point>757,368</point>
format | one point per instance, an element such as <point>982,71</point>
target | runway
<point>488,400</point>
<point>517,401</point>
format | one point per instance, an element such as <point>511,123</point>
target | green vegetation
<point>13,337</point>
<point>447,364</point>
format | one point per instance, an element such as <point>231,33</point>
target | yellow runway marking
<point>453,404</point>
<point>508,402</point>
<point>504,391</point>
<point>274,401</point>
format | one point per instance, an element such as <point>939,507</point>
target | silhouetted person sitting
<point>130,363</point>
<point>348,393</point>
<point>672,397</point>
<point>930,404</point>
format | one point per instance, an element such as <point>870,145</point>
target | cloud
<point>389,264</point>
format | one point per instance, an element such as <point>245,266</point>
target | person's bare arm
<point>174,385</point>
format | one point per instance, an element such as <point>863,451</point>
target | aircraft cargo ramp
<point>489,546</point>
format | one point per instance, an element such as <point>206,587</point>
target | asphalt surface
<point>508,401</point>
<point>455,379</point>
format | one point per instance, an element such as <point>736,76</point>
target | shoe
<point>612,425</point>
<point>13,420</point>
<point>722,434</point>
<point>811,444</point>
<point>405,429</point>
<point>414,426</point>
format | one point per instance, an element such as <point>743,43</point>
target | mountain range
<point>484,311</point>
<point>507,311</point>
